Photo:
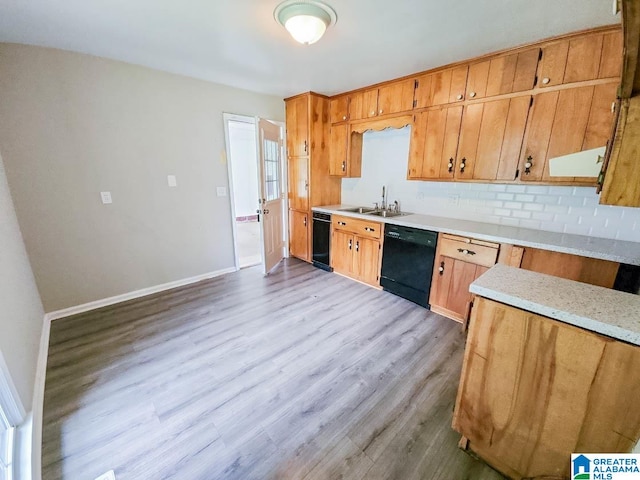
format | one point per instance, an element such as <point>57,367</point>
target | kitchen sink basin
<point>358,210</point>
<point>387,214</point>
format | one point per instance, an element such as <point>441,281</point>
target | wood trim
<point>310,92</point>
<point>489,56</point>
<point>447,313</point>
<point>397,121</point>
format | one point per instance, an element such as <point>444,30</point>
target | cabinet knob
<point>613,107</point>
<point>305,146</point>
<point>350,244</point>
<point>463,165</point>
<point>380,112</point>
<point>344,166</point>
<point>342,223</point>
<point>344,117</point>
<point>369,229</point>
<point>464,251</point>
<point>546,80</point>
<point>305,221</point>
<point>528,165</point>
<point>357,246</point>
<point>441,268</point>
<point>373,112</point>
<point>472,94</point>
<point>459,97</point>
<point>450,165</point>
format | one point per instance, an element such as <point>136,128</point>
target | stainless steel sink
<point>387,213</point>
<point>358,210</point>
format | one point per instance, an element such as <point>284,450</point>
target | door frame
<point>226,117</point>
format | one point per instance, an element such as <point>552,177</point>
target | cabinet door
<point>342,244</point>
<point>369,103</point>
<point>500,139</point>
<point>338,150</point>
<point>450,287</point>
<point>434,142</point>
<point>513,73</point>
<point>297,118</point>
<point>299,183</point>
<point>423,91</point>
<point>339,109</point>
<point>367,260</point>
<point>396,97</point>
<point>565,122</point>
<point>299,234</point>
<point>611,59</point>
<point>468,143</point>
<point>356,109</point>
<point>448,86</point>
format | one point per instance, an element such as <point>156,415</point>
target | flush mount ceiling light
<point>306,21</point>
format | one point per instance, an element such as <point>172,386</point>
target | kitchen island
<point>551,367</point>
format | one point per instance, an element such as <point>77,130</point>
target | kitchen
<point>560,256</point>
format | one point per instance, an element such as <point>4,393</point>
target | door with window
<point>271,193</point>
<point>6,444</point>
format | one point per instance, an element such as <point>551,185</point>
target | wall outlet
<point>106,197</point>
<point>221,191</point>
<point>454,199</point>
<point>107,476</point>
<point>171,181</point>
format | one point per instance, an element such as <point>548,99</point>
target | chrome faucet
<point>395,207</point>
<point>384,199</point>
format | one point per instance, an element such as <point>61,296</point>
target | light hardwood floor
<point>299,375</point>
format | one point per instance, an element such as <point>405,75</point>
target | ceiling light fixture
<point>305,20</point>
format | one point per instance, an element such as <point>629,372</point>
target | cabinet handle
<point>613,107</point>
<point>441,269</point>
<point>344,166</point>
<point>459,97</point>
<point>350,244</point>
<point>450,165</point>
<point>463,165</point>
<point>342,223</point>
<point>528,165</point>
<point>357,246</point>
<point>305,220</point>
<point>466,252</point>
<point>369,229</point>
<point>266,212</point>
<point>546,80</point>
<point>305,146</point>
<point>472,94</point>
<point>306,185</point>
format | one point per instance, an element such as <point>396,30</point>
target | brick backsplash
<point>553,208</point>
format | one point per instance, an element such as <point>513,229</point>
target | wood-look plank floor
<point>299,375</point>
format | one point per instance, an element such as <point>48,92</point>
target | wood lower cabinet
<point>299,228</point>
<point>459,261</point>
<point>533,390</point>
<point>356,249</point>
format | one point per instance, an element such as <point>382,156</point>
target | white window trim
<point>11,412</point>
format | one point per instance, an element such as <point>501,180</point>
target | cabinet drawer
<point>469,251</point>
<point>364,228</point>
<point>474,241</point>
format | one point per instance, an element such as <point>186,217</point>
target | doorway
<point>242,159</point>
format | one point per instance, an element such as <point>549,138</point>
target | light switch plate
<point>106,197</point>
<point>171,181</point>
<point>110,475</point>
<point>222,191</point>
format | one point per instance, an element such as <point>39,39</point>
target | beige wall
<point>20,308</point>
<point>73,125</point>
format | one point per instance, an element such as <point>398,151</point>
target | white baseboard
<point>86,307</point>
<point>41,369</point>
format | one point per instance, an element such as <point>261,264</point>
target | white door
<point>271,193</point>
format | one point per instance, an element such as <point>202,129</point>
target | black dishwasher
<point>321,240</point>
<point>407,262</point>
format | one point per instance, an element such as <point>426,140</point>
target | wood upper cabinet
<point>581,58</point>
<point>439,88</point>
<point>504,74</point>
<point>490,139</point>
<point>533,390</point>
<point>345,151</point>
<point>459,261</point>
<point>297,121</point>
<point>339,109</point>
<point>434,142</point>
<point>299,228</point>
<point>394,97</point>
<point>564,122</point>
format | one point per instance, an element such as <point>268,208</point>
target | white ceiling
<point>237,42</point>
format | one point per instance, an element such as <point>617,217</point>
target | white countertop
<point>601,310</point>
<point>594,247</point>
